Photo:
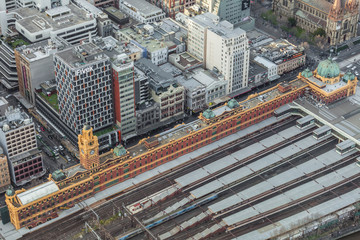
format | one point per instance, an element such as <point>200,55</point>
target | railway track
<point>75,222</point>
<point>289,185</point>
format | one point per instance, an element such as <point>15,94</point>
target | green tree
<point>320,32</point>
<point>292,22</point>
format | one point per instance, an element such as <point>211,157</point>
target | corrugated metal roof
<point>293,194</point>
<point>345,144</point>
<point>37,192</point>
<point>309,215</point>
<point>305,119</point>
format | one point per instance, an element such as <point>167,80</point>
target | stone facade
<point>339,20</point>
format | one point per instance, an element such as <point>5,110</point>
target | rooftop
<point>88,6</point>
<point>14,119</point>
<point>82,54</point>
<point>168,136</point>
<point>255,69</point>
<point>207,78</point>
<point>184,60</point>
<point>112,47</point>
<point>25,156</point>
<point>35,21</point>
<point>42,49</point>
<point>158,77</point>
<point>37,192</point>
<point>115,12</point>
<point>145,41</point>
<point>278,50</point>
<point>321,5</point>
<point>222,28</point>
<point>256,99</point>
<point>143,6</point>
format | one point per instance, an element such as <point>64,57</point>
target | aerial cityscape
<point>179,120</point>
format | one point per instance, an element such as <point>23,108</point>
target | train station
<point>262,168</point>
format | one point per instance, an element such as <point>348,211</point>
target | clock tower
<point>89,148</point>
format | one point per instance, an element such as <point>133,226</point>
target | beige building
<point>338,19</point>
<point>4,171</point>
<point>18,140</point>
<point>171,101</point>
<point>221,47</point>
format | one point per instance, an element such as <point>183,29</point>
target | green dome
<point>307,73</point>
<point>119,150</point>
<point>348,76</point>
<point>232,103</point>
<point>10,191</point>
<point>208,114</point>
<point>328,69</point>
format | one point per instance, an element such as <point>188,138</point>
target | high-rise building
<point>34,65</point>
<point>221,47</point>
<point>4,171</point>
<point>84,87</point>
<point>233,11</point>
<point>124,95</point>
<point>18,140</point>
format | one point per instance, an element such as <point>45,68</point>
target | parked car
<point>356,73</point>
<point>349,66</point>
<point>61,147</point>
<point>353,68</point>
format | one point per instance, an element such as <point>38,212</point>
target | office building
<point>8,74</point>
<point>18,140</point>
<point>35,65</point>
<point>164,90</point>
<point>141,10</point>
<point>84,87</point>
<point>236,12</point>
<point>124,95</point>
<point>4,171</point>
<point>70,22</point>
<point>221,47</point>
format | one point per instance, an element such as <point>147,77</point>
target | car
<point>61,147</point>
<point>353,68</point>
<point>42,129</point>
<point>349,66</point>
<point>68,158</point>
<point>356,73</point>
<point>56,148</point>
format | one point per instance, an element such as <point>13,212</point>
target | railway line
<point>74,222</point>
<point>300,181</point>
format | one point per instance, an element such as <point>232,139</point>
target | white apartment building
<point>221,47</point>
<point>69,22</point>
<point>271,67</point>
<point>141,10</point>
<point>215,86</point>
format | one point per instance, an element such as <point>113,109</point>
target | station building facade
<point>29,208</point>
